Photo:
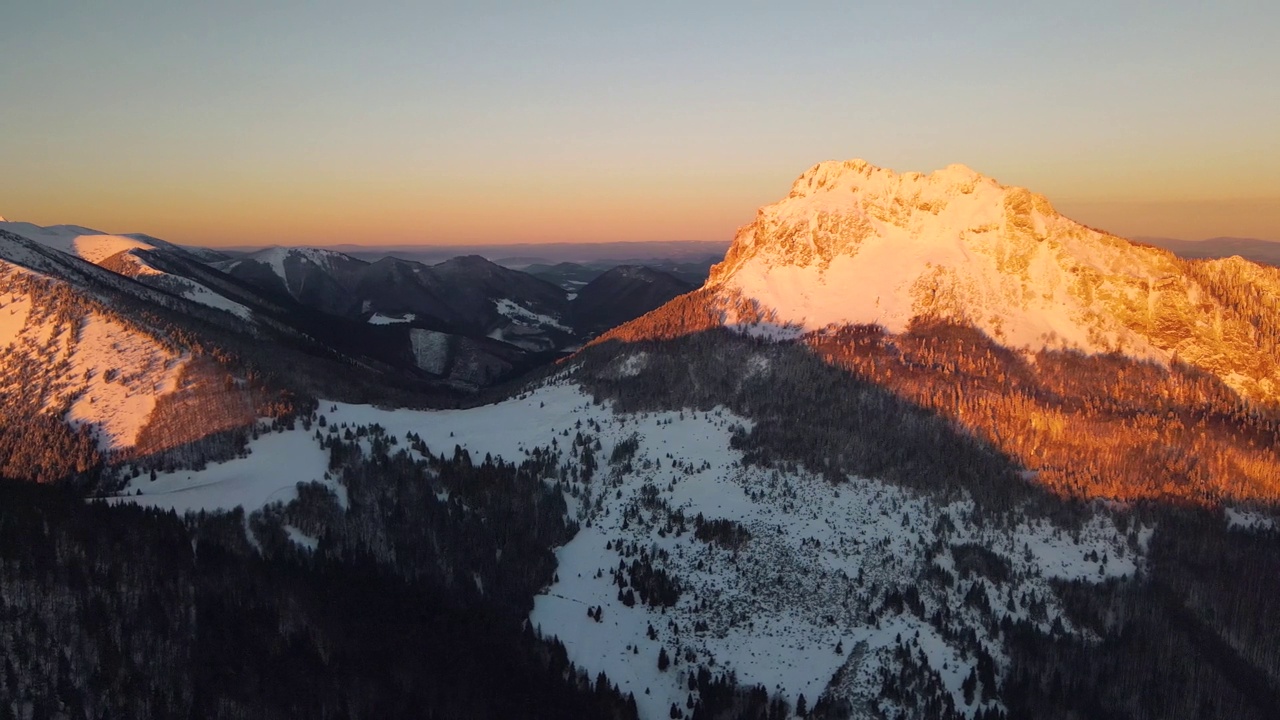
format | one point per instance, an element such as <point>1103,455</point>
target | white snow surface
<point>94,246</point>
<point>118,407</point>
<point>819,560</point>
<point>85,243</point>
<point>300,538</point>
<point>270,473</point>
<point>203,295</point>
<point>274,258</point>
<point>14,310</point>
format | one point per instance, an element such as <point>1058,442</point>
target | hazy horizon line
<point>252,247</point>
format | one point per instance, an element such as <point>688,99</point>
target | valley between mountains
<point>918,447</point>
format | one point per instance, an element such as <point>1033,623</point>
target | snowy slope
<point>430,350</point>
<point>91,366</point>
<point>380,319</point>
<point>119,253</point>
<point>84,243</point>
<point>854,243</point>
<point>192,290</point>
<point>820,564</point>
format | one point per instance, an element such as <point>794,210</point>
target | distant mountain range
<point>1260,251</point>
<point>142,317</point>
<point>520,255</point>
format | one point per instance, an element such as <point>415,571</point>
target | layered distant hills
<point>107,331</point>
<point>1259,251</point>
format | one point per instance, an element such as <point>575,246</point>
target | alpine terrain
<point>920,447</point>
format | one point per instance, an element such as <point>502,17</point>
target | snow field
<point>203,295</point>
<point>269,474</point>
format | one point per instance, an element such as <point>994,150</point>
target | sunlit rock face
<point>855,243</point>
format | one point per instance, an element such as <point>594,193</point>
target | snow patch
<point>276,463</point>
<point>203,295</point>
<point>380,319</point>
<point>430,350</point>
<point>1249,520</point>
<point>524,316</point>
<point>274,259</point>
<point>627,366</point>
<point>301,539</point>
<point>126,371</point>
<point>14,310</point>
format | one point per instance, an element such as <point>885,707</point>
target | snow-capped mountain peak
<point>275,257</point>
<point>834,206</point>
<point>853,243</point>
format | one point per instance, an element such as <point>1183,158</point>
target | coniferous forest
<point>119,612</point>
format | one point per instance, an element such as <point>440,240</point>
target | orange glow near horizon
<point>317,215</point>
<point>323,216</point>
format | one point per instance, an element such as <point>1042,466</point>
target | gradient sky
<point>320,123</point>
